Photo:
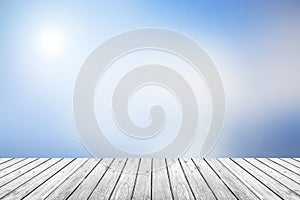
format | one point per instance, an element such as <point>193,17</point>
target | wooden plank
<point>292,162</point>
<point>291,175</point>
<point>142,188</point>
<point>10,163</point>
<point>30,186</point>
<point>160,181</point>
<point>110,179</point>
<point>220,190</point>
<point>16,183</point>
<point>16,166</point>
<point>297,159</point>
<point>20,172</point>
<point>4,160</point>
<point>198,185</point>
<point>286,165</point>
<point>240,190</point>
<point>179,185</point>
<point>271,183</point>
<point>276,175</point>
<point>90,182</point>
<point>149,178</point>
<point>55,179</point>
<point>251,182</point>
<point>125,186</point>
<point>63,190</point>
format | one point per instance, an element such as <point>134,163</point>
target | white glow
<point>51,42</point>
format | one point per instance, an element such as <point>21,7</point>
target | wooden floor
<point>32,178</point>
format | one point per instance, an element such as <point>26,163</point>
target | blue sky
<point>255,45</point>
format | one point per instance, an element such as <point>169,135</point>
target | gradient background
<point>255,45</point>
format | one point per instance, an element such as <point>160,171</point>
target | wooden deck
<point>69,178</point>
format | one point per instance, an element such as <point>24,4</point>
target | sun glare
<point>51,42</point>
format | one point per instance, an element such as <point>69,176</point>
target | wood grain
<point>149,178</point>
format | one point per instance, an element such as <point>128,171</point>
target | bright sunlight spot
<point>52,42</point>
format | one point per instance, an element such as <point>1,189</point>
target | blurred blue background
<point>254,44</point>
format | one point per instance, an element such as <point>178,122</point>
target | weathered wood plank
<point>148,178</point>
<point>236,186</point>
<point>16,183</point>
<point>20,172</point>
<point>16,166</point>
<point>53,179</point>
<point>291,175</point>
<point>10,163</point>
<point>160,181</point>
<point>142,188</point>
<point>91,181</point>
<point>286,165</point>
<point>63,190</point>
<point>198,185</point>
<point>292,161</point>
<point>220,190</point>
<point>271,183</point>
<point>276,175</point>
<point>33,184</point>
<point>251,182</point>
<point>4,160</point>
<point>126,183</point>
<point>179,184</point>
<point>105,188</point>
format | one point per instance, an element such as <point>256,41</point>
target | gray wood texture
<point>149,178</point>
